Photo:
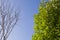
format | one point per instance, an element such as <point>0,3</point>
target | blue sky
<point>24,28</point>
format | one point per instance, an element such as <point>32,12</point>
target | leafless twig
<point>8,19</point>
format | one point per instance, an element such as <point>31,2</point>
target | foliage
<point>47,21</point>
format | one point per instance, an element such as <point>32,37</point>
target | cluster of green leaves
<point>47,21</point>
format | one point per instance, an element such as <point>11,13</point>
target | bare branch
<point>8,18</point>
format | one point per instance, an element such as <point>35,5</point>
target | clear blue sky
<point>24,28</point>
